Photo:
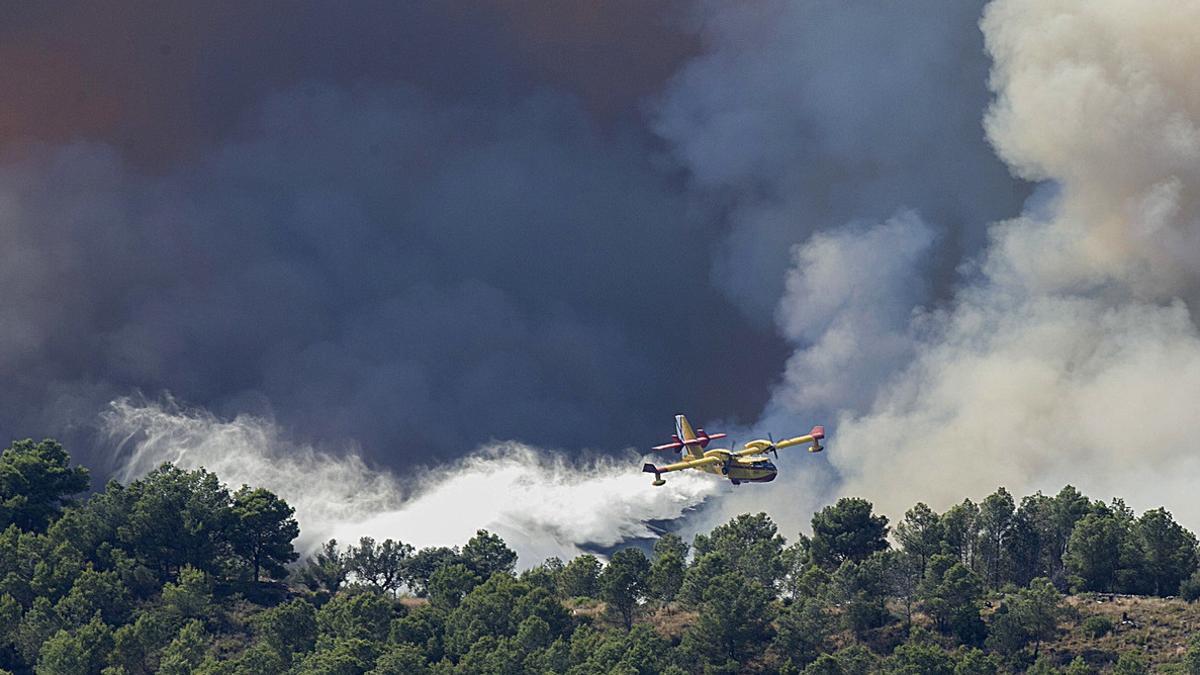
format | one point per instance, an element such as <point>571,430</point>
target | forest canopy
<point>177,572</point>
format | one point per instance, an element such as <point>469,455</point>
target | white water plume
<point>540,503</point>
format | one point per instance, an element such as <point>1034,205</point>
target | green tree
<point>191,597</point>
<point>951,593</point>
<point>1189,589</point>
<point>847,530</point>
<point>852,660</point>
<point>497,608</point>
<point>449,585</point>
<point>667,568</point>
<point>423,627</point>
<point>1191,658</point>
<point>1042,666</point>
<point>80,652</point>
<point>1025,550</point>
<point>904,573</point>
<point>695,579</point>
<point>486,554</point>
<point>1031,615</point>
<point>255,659</point>
<point>362,614</point>
<point>861,590</point>
<point>186,651</point>
<point>178,518</point>
<point>288,628</point>
<point>491,654</point>
<point>263,530</point>
<point>10,618</point>
<point>623,582</point>
<point>975,662</point>
<point>733,623</point>
<point>340,656</point>
<point>422,564</point>
<point>640,651</point>
<point>1096,626</point>
<point>1094,552</point>
<point>920,533</point>
<point>382,565</point>
<point>826,664</point>
<point>402,659</point>
<point>1078,666</point>
<point>544,575</point>
<point>36,482</point>
<point>38,624</point>
<point>136,645</point>
<point>802,629</point>
<point>1069,505</point>
<point>919,658</point>
<point>326,570</point>
<point>1168,551</point>
<point>580,577</point>
<point>995,522</point>
<point>93,592</point>
<point>960,531</point>
<point>1131,662</point>
<point>750,544</point>
<point>1040,606</point>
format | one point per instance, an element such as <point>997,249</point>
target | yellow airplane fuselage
<point>747,469</point>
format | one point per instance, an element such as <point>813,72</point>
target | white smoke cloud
<point>850,298</point>
<point>539,502</point>
<point>1103,98</point>
<point>1073,356</point>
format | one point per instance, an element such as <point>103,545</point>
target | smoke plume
<point>1072,355</point>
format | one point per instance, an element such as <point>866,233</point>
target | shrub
<point>1190,588</point>
<point>1097,626</point>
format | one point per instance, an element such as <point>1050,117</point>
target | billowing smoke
<point>843,144</point>
<point>541,503</point>
<point>800,117</point>
<point>404,225</point>
<point>1072,355</point>
<point>978,247</point>
<point>366,264</point>
<point>851,296</point>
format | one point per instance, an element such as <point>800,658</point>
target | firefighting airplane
<point>748,465</point>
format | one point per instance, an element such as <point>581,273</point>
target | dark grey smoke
<point>368,265</point>
<point>421,227</point>
<point>805,116</point>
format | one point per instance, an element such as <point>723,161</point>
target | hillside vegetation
<point>176,573</point>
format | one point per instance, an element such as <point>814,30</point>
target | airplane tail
<point>687,436</point>
<point>691,441</point>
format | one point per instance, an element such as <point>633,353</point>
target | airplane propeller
<point>771,448</point>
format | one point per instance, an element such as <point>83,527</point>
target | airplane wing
<point>679,466</point>
<point>760,446</point>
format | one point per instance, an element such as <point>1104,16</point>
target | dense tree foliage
<point>847,530</point>
<point>174,573</point>
<point>36,482</point>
